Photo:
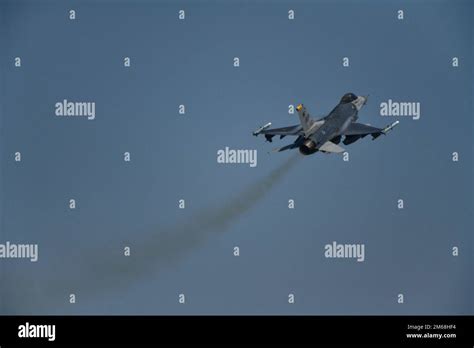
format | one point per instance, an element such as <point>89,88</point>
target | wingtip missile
<point>390,127</point>
<point>262,128</point>
<point>385,130</point>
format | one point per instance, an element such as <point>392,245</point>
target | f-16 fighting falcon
<point>326,133</point>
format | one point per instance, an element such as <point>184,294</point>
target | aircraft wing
<point>359,130</point>
<point>291,130</point>
<point>282,132</point>
<point>362,129</point>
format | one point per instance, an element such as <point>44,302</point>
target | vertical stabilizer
<point>309,125</point>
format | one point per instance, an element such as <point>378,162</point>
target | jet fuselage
<point>334,125</point>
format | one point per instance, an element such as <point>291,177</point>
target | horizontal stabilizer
<point>331,147</point>
<point>287,147</point>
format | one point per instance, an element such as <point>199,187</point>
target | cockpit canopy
<point>348,97</point>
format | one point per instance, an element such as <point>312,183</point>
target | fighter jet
<point>326,133</point>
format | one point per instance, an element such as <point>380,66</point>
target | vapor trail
<point>172,243</point>
<point>164,248</point>
<point>167,245</point>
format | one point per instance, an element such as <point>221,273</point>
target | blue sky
<point>190,62</point>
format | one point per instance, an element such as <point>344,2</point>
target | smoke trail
<point>167,245</point>
<point>164,248</point>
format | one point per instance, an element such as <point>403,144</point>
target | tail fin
<point>305,119</point>
<point>308,124</point>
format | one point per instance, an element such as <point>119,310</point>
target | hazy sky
<point>173,157</point>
